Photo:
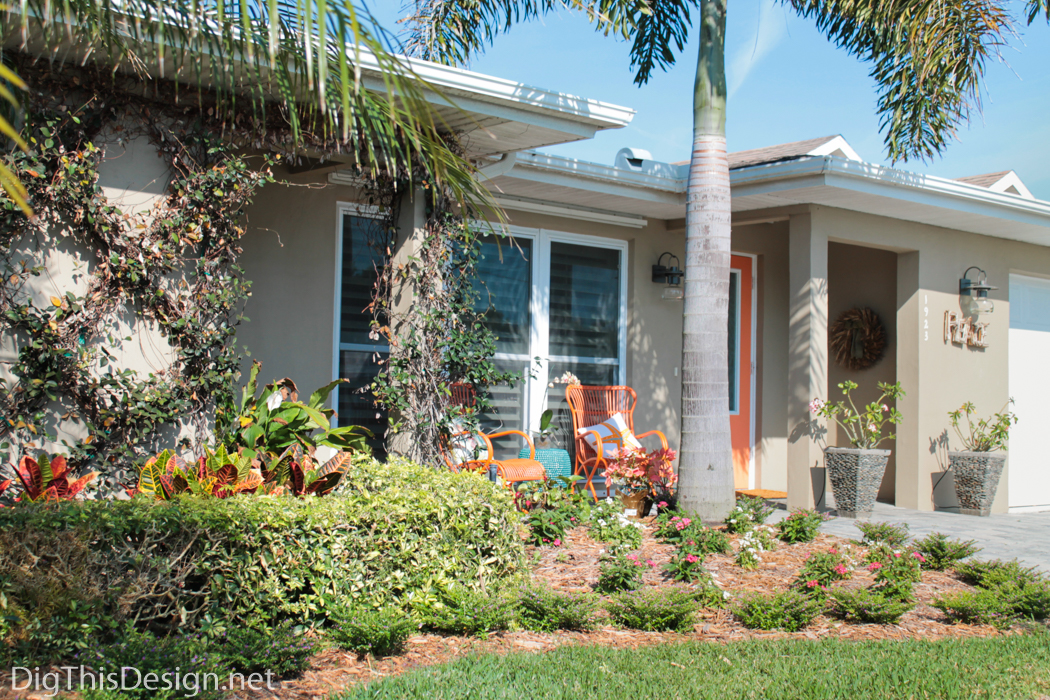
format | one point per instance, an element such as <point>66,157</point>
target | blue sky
<point>786,83</point>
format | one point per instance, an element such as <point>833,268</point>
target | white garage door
<point>1030,387</point>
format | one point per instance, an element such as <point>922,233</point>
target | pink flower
<point>871,427</point>
<point>632,557</point>
<point>885,408</point>
<point>692,543</point>
<point>897,554</point>
<point>840,570</point>
<point>557,543</point>
<point>692,558</point>
<point>919,557</point>
<point>874,566</point>
<point>833,551</point>
<point>662,504</point>
<point>811,584</point>
<point>815,405</point>
<point>638,563</point>
<point>545,539</point>
<point>651,563</point>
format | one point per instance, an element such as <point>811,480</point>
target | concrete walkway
<point>1024,536</point>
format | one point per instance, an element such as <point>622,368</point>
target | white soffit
<point>570,212</point>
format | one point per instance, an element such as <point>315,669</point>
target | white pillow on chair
<point>615,435</point>
<point>464,447</point>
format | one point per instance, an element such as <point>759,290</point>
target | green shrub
<point>787,610</point>
<point>748,513</point>
<point>898,576</point>
<point>894,535</point>
<point>545,610</point>
<point>708,594</point>
<point>821,569</point>
<point>616,529</point>
<point>1027,599</point>
<point>653,609</point>
<point>981,607</point>
<point>393,531</point>
<point>469,612</point>
<point>687,564</point>
<point>990,574</point>
<point>676,527</point>
<point>706,539</point>
<point>193,656</point>
<point>942,553</point>
<point>364,630</point>
<point>279,650</point>
<point>620,572</point>
<point>547,527</point>
<point>862,605</point>
<point>800,526</point>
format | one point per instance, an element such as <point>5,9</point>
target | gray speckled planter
<point>976,479</point>
<point>855,478</point>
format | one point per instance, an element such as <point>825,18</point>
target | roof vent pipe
<point>631,158</point>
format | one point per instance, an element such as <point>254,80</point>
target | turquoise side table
<point>555,461</point>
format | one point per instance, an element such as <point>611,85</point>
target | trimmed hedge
<point>395,532</point>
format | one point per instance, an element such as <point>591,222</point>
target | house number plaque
<point>960,330</point>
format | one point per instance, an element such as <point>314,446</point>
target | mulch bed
<point>574,567</point>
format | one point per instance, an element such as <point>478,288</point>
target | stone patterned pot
<point>976,479</point>
<point>855,478</point>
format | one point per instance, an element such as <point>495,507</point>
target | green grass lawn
<point>1012,668</point>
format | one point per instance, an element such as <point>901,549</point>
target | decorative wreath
<point>858,338</point>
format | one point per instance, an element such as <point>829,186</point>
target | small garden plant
<point>986,434</point>
<point>687,564</point>
<point>653,609</point>
<point>279,649</point>
<point>862,427</point>
<point>1022,592</point>
<point>467,612</point>
<point>800,526</point>
<point>822,569</point>
<point>547,527</point>
<point>363,630</point>
<point>786,610</point>
<point>748,512</point>
<point>981,607</point>
<point>621,572</point>
<point>942,553</point>
<point>868,606</point>
<point>890,534</point>
<point>897,577</point>
<point>544,610</point>
<point>749,551</point>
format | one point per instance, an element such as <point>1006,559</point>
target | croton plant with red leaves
<point>48,479</point>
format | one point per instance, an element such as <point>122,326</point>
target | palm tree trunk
<point>706,463</point>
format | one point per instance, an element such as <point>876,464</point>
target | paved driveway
<point>1024,536</point>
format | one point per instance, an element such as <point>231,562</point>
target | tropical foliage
<point>862,427</point>
<point>48,479</point>
<point>986,434</point>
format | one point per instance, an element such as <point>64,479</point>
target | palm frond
<point>928,58</point>
<point>452,31</point>
<point>659,35</point>
<point>310,55</point>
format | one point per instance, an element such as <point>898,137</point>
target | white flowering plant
<point>749,552</point>
<point>863,427</point>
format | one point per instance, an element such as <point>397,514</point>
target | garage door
<point>1029,386</point>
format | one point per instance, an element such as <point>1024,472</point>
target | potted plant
<point>641,476</point>
<point>976,470</point>
<point>856,471</point>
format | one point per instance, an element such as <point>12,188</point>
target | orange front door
<point>741,294</point>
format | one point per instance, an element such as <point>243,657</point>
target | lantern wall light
<point>975,292</point>
<point>670,274</point>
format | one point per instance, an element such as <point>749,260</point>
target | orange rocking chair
<point>511,471</point>
<point>594,405</point>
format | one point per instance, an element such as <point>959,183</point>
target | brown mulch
<point>574,567</point>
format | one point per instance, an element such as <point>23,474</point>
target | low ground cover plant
<point>801,526</point>
<point>544,610</point>
<point>893,534</point>
<point>366,630</point>
<point>607,523</point>
<point>787,610</point>
<point>980,607</point>
<point>278,649</point>
<point>898,576</point>
<point>620,571</point>
<point>749,551</point>
<point>653,609</point>
<point>748,512</point>
<point>995,572</point>
<point>1021,591</point>
<point>473,613</point>
<point>868,606</point>
<point>822,569</point>
<point>943,553</point>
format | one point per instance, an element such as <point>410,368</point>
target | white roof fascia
<point>490,89</point>
<point>888,182</point>
<point>597,172</point>
<point>836,146</point>
<point>1011,179</point>
<point>570,212</point>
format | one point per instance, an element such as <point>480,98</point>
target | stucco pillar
<point>807,358</point>
<point>913,486</point>
<point>411,231</point>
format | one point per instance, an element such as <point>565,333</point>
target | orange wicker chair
<point>591,405</point>
<point>511,471</point>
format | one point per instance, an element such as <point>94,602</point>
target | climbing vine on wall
<point>441,337</point>
<point>171,269</point>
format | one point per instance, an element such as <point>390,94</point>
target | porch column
<point>807,358</point>
<point>411,231</point>
<point>913,487</point>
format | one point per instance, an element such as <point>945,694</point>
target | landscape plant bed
<point>574,567</point>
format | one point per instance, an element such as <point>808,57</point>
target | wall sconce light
<point>975,292</point>
<point>671,275</point>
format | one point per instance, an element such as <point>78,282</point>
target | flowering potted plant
<point>547,435</point>
<point>856,471</point>
<point>976,470</point>
<point>641,475</point>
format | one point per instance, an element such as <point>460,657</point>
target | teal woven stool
<point>555,461</point>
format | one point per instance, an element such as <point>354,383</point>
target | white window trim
<point>369,211</point>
